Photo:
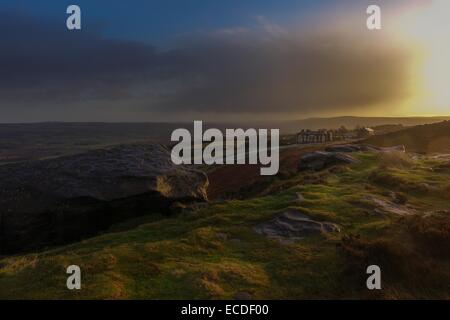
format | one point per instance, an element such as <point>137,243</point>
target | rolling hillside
<point>387,212</point>
<point>351,122</point>
<point>427,138</point>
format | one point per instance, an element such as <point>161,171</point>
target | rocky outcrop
<point>400,148</point>
<point>320,160</point>
<point>65,199</point>
<point>383,207</point>
<point>345,148</point>
<point>293,225</point>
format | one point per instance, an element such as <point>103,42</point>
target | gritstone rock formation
<point>64,199</point>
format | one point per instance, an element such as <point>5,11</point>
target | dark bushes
<point>413,255</point>
<point>432,234</point>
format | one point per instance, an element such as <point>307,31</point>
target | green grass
<point>214,252</point>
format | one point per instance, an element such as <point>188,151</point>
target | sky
<point>178,60</point>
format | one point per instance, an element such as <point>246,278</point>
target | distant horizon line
<point>213,121</point>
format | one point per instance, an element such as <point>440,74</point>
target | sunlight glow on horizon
<point>428,29</point>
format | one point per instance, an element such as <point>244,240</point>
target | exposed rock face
<point>65,199</point>
<point>299,198</point>
<point>320,160</point>
<point>293,225</point>
<point>400,148</point>
<point>383,207</point>
<point>362,147</point>
<point>350,148</point>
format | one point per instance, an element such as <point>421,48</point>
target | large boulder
<point>320,160</point>
<point>64,199</point>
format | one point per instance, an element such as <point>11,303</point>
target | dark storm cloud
<point>286,72</point>
<point>42,60</point>
<point>238,70</point>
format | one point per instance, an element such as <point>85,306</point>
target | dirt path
<point>229,179</point>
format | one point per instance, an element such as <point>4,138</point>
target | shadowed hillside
<point>351,122</point>
<point>427,138</point>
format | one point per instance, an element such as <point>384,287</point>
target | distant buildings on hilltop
<point>310,136</point>
<point>324,135</point>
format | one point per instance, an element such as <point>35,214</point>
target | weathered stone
<point>177,207</point>
<point>320,160</point>
<point>398,198</point>
<point>299,198</point>
<point>400,148</point>
<point>242,295</point>
<point>64,199</point>
<point>222,236</point>
<point>293,225</point>
<point>346,148</point>
<point>383,207</point>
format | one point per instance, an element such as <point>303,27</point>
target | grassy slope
<point>213,252</point>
